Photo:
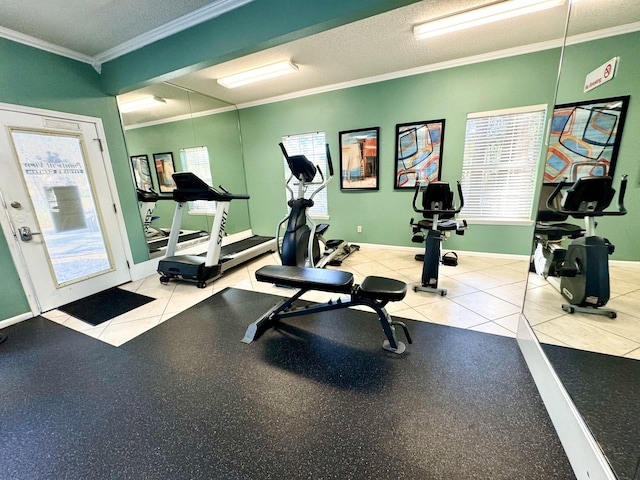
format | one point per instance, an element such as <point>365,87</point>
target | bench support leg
<point>259,325</point>
<point>282,310</point>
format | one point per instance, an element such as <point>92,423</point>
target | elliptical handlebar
<point>304,171</point>
<point>329,162</point>
<point>593,213</point>
<point>439,212</point>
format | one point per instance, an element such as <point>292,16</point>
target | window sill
<point>196,213</point>
<point>500,221</point>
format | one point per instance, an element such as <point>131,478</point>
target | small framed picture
<point>142,172</point>
<point>418,152</point>
<point>164,169</point>
<point>359,164</point>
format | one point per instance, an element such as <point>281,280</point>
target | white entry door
<point>60,217</point>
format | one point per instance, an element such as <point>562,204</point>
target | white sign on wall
<point>601,75</point>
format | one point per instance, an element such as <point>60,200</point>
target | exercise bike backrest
<point>587,197</point>
<point>437,199</point>
<point>190,187</point>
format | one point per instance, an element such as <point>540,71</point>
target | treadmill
<point>218,259</point>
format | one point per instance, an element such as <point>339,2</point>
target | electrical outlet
<point>359,228</point>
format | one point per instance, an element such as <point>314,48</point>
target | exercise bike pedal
<point>567,271</point>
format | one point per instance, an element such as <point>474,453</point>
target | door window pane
<point>57,178</point>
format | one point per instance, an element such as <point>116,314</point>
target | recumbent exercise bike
<point>302,239</point>
<point>583,267</point>
<point>439,211</point>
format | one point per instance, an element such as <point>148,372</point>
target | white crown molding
<point>510,52</point>
<point>42,45</point>
<point>189,20</point>
<point>607,32</point>
<point>184,22</point>
<point>177,118</point>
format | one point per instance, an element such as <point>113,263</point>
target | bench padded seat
<point>334,281</point>
<point>380,288</point>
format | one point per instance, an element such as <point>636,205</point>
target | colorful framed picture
<point>142,172</point>
<point>359,164</point>
<point>585,138</point>
<point>418,152</point>
<point>164,169</point>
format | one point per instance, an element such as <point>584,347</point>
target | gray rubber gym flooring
<point>315,398</point>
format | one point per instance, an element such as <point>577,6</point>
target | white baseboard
<point>13,320</point>
<point>586,457</point>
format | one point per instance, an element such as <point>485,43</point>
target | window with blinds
<point>313,146</point>
<point>196,160</point>
<point>501,154</point>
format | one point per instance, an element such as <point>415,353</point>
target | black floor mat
<point>605,390</point>
<point>316,397</point>
<point>103,306</point>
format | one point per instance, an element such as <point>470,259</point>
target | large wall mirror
<point>184,126</point>
<point>594,132</point>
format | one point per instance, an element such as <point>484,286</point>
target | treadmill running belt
<point>240,246</point>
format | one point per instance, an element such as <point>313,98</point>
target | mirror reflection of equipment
<point>195,268</point>
<point>582,269</point>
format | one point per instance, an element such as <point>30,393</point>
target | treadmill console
<point>190,187</point>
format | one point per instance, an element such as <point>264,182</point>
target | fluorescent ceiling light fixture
<point>481,16</point>
<point>258,74</point>
<point>141,104</point>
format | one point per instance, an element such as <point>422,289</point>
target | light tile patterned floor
<point>485,293</point>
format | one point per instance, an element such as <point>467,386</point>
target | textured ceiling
<point>91,27</point>
<point>376,48</point>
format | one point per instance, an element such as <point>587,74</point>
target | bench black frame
<point>373,292</point>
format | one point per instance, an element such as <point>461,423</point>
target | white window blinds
<point>500,163</point>
<point>196,160</point>
<point>313,146</point>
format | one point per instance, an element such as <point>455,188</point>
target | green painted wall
<point>220,134</point>
<point>35,78</point>
<point>578,61</point>
<point>384,215</point>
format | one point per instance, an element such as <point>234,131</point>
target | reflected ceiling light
<point>258,74</point>
<point>141,104</point>
<point>480,16</point>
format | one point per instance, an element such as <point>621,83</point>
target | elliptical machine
<point>584,272</point>
<point>438,210</point>
<point>302,240</point>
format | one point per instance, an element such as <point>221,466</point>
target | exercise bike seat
<point>443,225</point>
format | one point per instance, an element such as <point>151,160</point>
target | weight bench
<point>373,292</point>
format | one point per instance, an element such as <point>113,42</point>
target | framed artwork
<point>142,172</point>
<point>359,162</point>
<point>164,169</point>
<point>418,152</point>
<point>584,139</point>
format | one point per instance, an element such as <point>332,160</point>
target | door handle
<point>26,234</point>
